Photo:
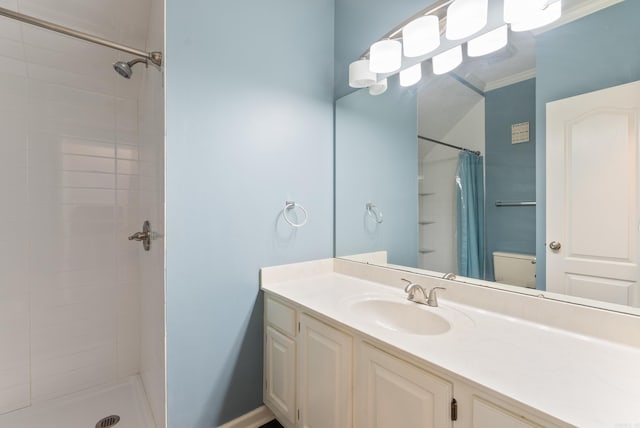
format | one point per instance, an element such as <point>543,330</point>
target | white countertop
<point>580,380</point>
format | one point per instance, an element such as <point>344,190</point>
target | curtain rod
<point>475,152</point>
<point>154,57</point>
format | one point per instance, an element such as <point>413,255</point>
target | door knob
<point>555,245</point>
<point>144,236</point>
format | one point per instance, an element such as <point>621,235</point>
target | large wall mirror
<point>551,203</point>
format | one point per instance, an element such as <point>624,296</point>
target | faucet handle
<point>409,284</point>
<point>432,300</point>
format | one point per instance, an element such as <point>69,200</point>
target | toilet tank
<point>515,269</point>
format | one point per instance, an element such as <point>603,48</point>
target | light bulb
<point>447,60</point>
<point>421,36</point>
<point>466,17</point>
<point>385,56</point>
<point>378,87</point>
<point>488,42</point>
<point>359,74</point>
<point>411,76</point>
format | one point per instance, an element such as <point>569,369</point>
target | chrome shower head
<point>125,69</point>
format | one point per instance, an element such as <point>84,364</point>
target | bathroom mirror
<point>397,193</point>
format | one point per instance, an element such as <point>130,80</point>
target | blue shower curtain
<point>470,189</point>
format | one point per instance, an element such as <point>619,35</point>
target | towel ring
<point>290,205</point>
<point>375,212</point>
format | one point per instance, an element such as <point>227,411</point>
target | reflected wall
<point>377,162</point>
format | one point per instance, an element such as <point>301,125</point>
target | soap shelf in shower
<point>426,251</point>
<point>426,193</point>
<point>425,222</point>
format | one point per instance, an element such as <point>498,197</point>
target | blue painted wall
<point>249,125</point>
<point>593,53</point>
<point>377,161</point>
<point>510,171</point>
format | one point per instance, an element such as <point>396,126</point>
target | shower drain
<point>107,422</point>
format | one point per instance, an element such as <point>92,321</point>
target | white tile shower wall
<point>69,279</point>
<point>14,288</point>
<point>151,193</point>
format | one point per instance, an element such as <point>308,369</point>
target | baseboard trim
<point>253,419</point>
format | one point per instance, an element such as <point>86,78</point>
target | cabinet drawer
<point>488,415</point>
<point>280,316</point>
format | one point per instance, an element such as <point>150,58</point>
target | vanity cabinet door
<point>325,376</point>
<point>391,393</point>
<point>280,374</point>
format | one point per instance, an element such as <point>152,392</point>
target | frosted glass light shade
<point>385,56</point>
<point>516,10</point>
<point>519,10</point>
<point>447,60</point>
<point>378,87</point>
<point>488,42</point>
<point>539,17</point>
<point>421,36</point>
<point>466,17</point>
<point>359,74</point>
<point>411,76</point>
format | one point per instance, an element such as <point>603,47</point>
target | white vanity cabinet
<point>279,393</point>
<point>319,375</point>
<point>307,369</point>
<point>392,393</point>
<point>324,375</point>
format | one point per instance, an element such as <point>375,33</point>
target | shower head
<point>125,69</point>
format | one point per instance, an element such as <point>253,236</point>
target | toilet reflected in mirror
<point>515,269</point>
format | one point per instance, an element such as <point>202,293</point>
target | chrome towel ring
<point>374,212</point>
<point>291,205</point>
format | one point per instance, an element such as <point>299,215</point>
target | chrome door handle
<point>144,236</point>
<point>555,245</point>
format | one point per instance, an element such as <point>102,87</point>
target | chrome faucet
<point>450,276</point>
<point>430,299</point>
<point>411,289</point>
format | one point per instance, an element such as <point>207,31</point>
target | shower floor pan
<point>84,409</point>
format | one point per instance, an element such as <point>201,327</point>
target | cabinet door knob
<point>555,245</point>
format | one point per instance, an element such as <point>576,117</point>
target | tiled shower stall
<point>81,167</point>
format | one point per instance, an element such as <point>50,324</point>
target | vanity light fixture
<point>466,17</point>
<point>525,15</point>
<point>385,56</point>
<point>447,60</point>
<point>421,36</point>
<point>378,88</point>
<point>488,42</point>
<point>410,76</point>
<point>359,74</point>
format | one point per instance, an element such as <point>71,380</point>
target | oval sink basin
<point>406,317</point>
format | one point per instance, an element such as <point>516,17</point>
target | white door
<point>324,387</point>
<point>592,195</point>
<point>391,393</point>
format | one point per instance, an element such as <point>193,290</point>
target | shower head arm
<point>138,60</point>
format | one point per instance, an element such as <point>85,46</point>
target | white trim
<point>253,419</point>
<point>510,80</point>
